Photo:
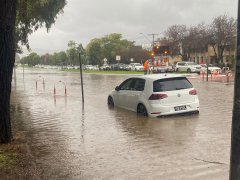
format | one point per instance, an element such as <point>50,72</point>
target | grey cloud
<point>86,19</point>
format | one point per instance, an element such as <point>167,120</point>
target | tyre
<point>110,101</point>
<point>176,70</point>
<point>142,110</point>
<point>188,70</point>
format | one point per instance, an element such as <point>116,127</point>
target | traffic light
<point>151,54</point>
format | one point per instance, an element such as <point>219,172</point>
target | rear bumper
<point>157,110</point>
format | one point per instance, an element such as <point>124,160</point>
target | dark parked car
<point>119,66</point>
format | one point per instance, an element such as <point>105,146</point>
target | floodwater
<point>72,141</point>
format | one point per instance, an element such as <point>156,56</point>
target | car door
<point>134,95</point>
<point>184,67</point>
<point>181,66</point>
<point>122,93</point>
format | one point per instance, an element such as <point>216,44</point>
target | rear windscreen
<point>171,84</point>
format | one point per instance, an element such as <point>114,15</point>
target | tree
<point>108,47</point>
<point>195,40</point>
<point>7,58</point>
<point>32,59</point>
<point>175,35</point>
<point>72,53</point>
<point>222,33</point>
<point>18,19</point>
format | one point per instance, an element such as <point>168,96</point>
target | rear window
<point>171,84</point>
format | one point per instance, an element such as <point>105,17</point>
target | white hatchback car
<point>155,95</point>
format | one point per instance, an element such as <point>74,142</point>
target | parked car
<point>163,68</point>
<point>211,68</point>
<point>187,66</point>
<point>119,66</point>
<point>89,67</point>
<point>136,67</point>
<point>155,95</point>
<point>105,67</point>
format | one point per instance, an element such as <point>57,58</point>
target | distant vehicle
<point>136,67</point>
<point>187,66</point>
<point>105,67</point>
<point>91,67</point>
<point>119,67</point>
<point>163,68</point>
<point>211,68</point>
<point>88,67</point>
<point>155,95</point>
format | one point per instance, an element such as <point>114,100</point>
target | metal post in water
<point>80,62</point>
<point>23,70</point>
<point>207,71</point>
<point>235,138</point>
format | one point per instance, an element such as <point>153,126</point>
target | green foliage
<point>33,14</point>
<point>108,47</point>
<point>32,59</point>
<point>72,53</point>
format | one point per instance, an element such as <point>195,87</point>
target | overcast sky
<point>84,20</point>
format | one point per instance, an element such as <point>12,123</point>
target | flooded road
<point>95,142</point>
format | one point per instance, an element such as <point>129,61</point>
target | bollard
<point>228,76</point>
<point>65,88</point>
<point>43,82</point>
<point>54,90</point>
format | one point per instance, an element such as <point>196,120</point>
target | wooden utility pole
<point>235,139</point>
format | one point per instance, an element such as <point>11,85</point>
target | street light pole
<point>235,138</point>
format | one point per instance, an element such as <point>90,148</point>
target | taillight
<point>157,96</point>
<point>193,92</point>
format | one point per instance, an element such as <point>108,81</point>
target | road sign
<point>118,58</point>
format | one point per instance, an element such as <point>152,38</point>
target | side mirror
<point>117,88</point>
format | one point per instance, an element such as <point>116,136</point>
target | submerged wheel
<point>110,101</point>
<point>142,110</point>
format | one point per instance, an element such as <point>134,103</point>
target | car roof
<point>153,77</point>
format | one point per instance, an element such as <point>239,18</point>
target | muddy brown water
<point>72,141</point>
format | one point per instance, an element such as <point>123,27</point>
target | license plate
<point>179,108</point>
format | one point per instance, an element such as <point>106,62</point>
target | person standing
<point>146,67</point>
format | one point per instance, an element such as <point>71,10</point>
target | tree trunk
<point>7,59</point>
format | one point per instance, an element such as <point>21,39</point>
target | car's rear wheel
<point>110,101</point>
<point>188,70</point>
<point>142,110</point>
<point>177,70</point>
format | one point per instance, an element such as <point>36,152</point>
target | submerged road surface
<point>72,141</point>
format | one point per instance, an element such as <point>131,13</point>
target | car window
<point>181,64</point>
<point>126,85</point>
<point>137,64</point>
<point>171,84</point>
<point>139,85</point>
<point>191,63</point>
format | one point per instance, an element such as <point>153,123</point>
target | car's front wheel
<point>142,110</point>
<point>110,101</point>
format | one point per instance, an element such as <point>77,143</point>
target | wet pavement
<point>72,141</point>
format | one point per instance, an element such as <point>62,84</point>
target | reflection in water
<point>92,141</point>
